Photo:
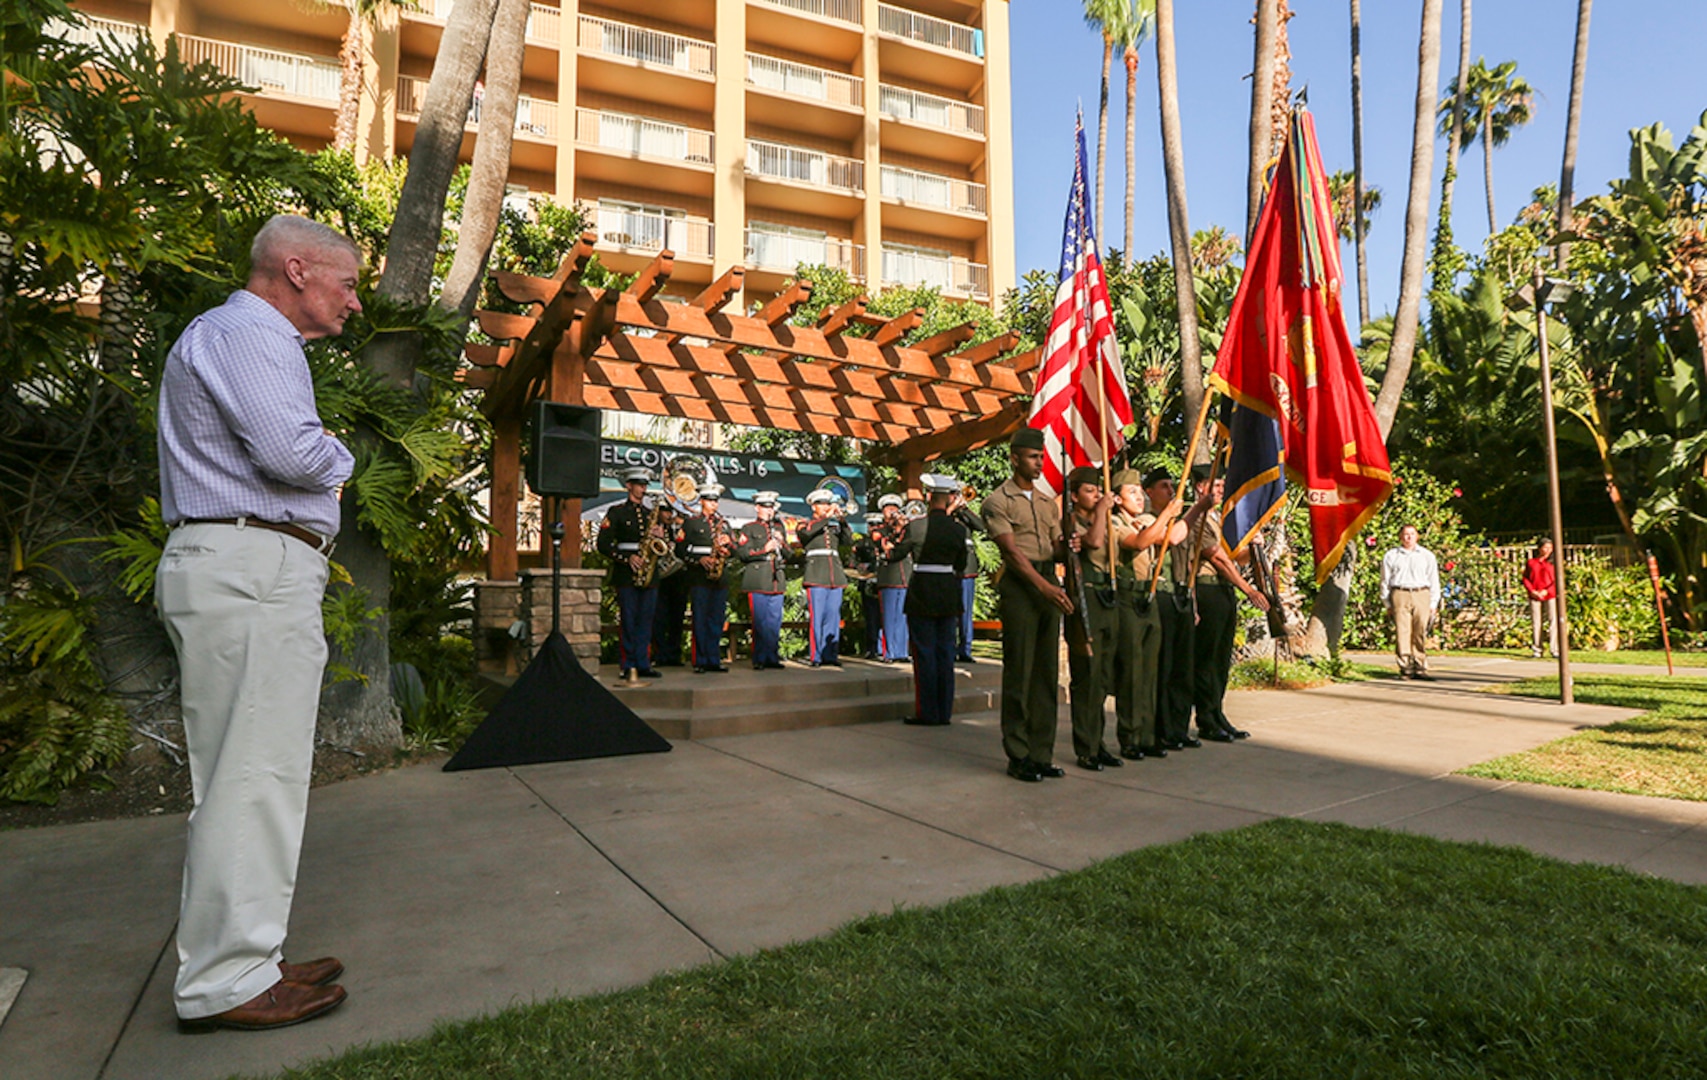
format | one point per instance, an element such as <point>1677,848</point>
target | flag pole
<point>1190,452</point>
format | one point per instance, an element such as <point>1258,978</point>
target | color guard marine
<point>1092,677</point>
<point>622,539</point>
<point>822,539</point>
<point>762,548</point>
<point>936,545</point>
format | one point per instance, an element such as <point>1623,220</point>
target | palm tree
<point>1573,118</point>
<point>1496,104</point>
<point>1267,21</point>
<point>1357,160</point>
<point>1106,17</point>
<point>1179,228</point>
<point>363,705</point>
<point>1453,127</point>
<point>1342,193</point>
<point>1135,28</point>
<point>1404,343</point>
<point>363,13</point>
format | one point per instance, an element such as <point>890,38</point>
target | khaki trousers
<point>1410,622</point>
<point>242,607</point>
<point>1543,613</point>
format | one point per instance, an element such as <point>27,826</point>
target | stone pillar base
<point>502,647</point>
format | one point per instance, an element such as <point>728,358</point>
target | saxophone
<point>720,544</point>
<point>653,549</point>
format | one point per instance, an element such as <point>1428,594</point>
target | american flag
<point>1081,350</point>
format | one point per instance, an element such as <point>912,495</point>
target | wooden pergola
<point>634,351</point>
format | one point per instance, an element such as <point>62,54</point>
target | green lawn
<point>1662,752</point>
<point>1638,657</point>
<point>1282,950</point>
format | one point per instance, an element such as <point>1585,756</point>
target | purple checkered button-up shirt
<point>239,432</point>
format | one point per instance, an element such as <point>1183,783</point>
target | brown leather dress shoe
<point>285,1004</point>
<point>321,972</point>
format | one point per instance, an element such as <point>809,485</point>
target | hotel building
<point>868,136</point>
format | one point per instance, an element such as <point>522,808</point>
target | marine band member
<point>705,547</point>
<point>937,544</point>
<point>621,537</point>
<point>822,538</point>
<point>763,550</point>
<point>893,570</point>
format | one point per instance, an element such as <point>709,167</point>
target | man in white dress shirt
<point>1410,587</point>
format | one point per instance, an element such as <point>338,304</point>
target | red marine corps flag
<point>1288,357</point>
<point>1081,401</point>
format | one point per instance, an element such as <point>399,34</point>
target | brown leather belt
<point>322,544</point>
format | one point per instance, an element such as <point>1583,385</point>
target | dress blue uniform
<point>933,602</point>
<point>968,579</point>
<point>620,537</point>
<point>709,593</point>
<point>893,571</point>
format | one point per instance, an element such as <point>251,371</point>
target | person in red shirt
<point>1539,583</point>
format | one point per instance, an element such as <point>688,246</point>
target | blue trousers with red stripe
<point>824,612</point>
<point>635,608</point>
<point>710,610</point>
<point>767,626</point>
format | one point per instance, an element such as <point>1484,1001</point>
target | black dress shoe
<point>1424,676</point>
<point>649,674</point>
<point>1090,763</point>
<point>1238,733</point>
<point>1049,772</point>
<point>775,665</point>
<point>1154,751</point>
<point>1187,743</point>
<point>833,663</point>
<point>1215,736</point>
<point>719,669</point>
<point>1132,753</point>
<point>1020,769</point>
<point>1109,759</point>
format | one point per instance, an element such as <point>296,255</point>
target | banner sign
<point>679,470</point>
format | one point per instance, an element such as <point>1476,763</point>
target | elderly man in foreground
<point>249,484</point>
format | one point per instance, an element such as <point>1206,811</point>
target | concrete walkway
<point>452,895</point>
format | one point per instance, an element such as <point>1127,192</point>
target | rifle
<point>1078,624</point>
<point>1269,586</point>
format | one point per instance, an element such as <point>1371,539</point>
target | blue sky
<point>1645,65</point>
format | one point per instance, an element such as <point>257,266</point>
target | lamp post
<point>1538,294</point>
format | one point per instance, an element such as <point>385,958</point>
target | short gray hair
<point>288,234</point>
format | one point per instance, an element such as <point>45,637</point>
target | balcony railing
<point>931,189</point>
<point>802,81</point>
<point>653,48</point>
<point>545,24</point>
<point>848,11</point>
<point>954,276</point>
<point>535,118</point>
<point>91,29</point>
<point>648,230</point>
<point>777,161</point>
<point>637,136</point>
<point>785,252</point>
<point>929,30</point>
<point>938,112</point>
<point>290,74</point>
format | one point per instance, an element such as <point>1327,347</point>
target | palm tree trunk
<point>349,80</point>
<point>1262,108</point>
<point>1488,165</point>
<point>484,201</point>
<point>1179,227</point>
<point>1454,143</point>
<point>360,712</point>
<point>1131,59</point>
<point>1102,133</point>
<point>1357,165</point>
<point>1404,343</point>
<point>1573,119</point>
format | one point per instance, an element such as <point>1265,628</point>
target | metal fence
<point>535,118</point>
<point>545,24</point>
<point>779,161</point>
<point>953,276</point>
<point>931,109</point>
<point>930,30</point>
<point>802,81</point>
<point>785,251</point>
<point>91,29</point>
<point>274,72</point>
<point>649,230</point>
<point>932,189</point>
<point>640,137</point>
<point>848,11</point>
<point>1498,571</point>
<point>655,48</point>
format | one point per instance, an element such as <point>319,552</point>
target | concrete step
<point>791,716</point>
